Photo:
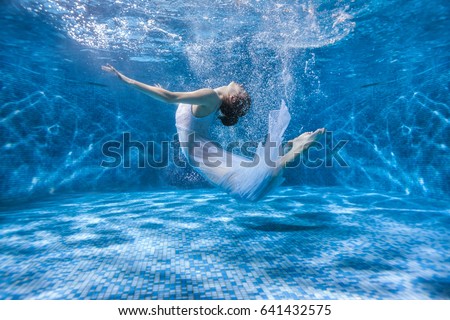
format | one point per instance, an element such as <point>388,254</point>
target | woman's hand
<point>110,68</point>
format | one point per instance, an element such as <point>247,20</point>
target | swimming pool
<point>313,243</point>
<point>374,225</point>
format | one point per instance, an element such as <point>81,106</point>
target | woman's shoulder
<point>201,111</point>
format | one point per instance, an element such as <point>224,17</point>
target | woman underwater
<point>244,178</point>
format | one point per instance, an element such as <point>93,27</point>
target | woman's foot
<point>304,141</point>
<point>301,144</point>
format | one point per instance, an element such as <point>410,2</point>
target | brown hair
<point>233,107</point>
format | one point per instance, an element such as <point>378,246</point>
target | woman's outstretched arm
<point>204,97</point>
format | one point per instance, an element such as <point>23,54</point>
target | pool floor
<point>325,243</point>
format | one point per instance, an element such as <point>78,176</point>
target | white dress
<point>243,178</point>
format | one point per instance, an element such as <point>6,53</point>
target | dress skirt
<point>244,178</point>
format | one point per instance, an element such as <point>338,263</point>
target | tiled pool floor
<point>326,243</point>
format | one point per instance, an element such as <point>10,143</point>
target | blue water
<point>374,73</point>
<point>303,243</point>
